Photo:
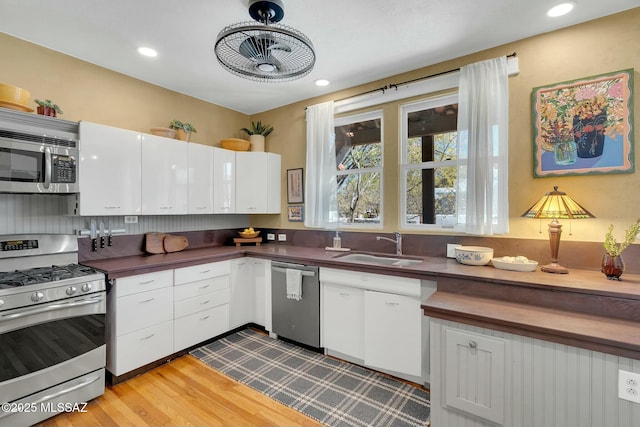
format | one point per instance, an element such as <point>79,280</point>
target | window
<point>359,169</point>
<point>429,163</point>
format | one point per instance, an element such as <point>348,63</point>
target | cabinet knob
<point>472,344</point>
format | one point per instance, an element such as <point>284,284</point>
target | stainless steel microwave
<point>42,164</point>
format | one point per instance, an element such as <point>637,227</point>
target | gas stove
<point>52,326</point>
<point>37,269</point>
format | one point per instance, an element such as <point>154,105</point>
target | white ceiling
<point>356,41</point>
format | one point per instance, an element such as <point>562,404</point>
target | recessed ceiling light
<point>322,82</point>
<point>561,9</point>
<point>147,51</point>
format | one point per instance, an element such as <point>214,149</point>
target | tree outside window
<point>359,168</point>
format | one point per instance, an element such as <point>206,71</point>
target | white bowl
<point>474,255</point>
<point>515,264</point>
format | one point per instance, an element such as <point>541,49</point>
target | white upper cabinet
<point>257,182</point>
<point>200,179</point>
<point>164,176</point>
<point>224,180</point>
<point>109,171</point>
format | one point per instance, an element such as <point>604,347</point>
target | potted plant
<point>183,129</point>
<point>48,108</point>
<point>257,133</point>
<point>612,262</point>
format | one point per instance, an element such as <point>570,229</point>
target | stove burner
<point>37,275</point>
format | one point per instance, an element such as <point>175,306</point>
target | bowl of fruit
<point>249,233</point>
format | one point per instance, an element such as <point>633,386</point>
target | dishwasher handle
<point>284,270</point>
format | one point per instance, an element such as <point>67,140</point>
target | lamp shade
<point>557,205</point>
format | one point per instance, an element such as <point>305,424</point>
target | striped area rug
<point>333,392</point>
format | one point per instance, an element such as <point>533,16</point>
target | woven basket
<point>235,144</point>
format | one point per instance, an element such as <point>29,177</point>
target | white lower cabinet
<point>374,320</point>
<point>151,316</point>
<point>140,321</point>
<point>242,293</point>
<point>343,319</point>
<point>474,372</point>
<point>201,303</point>
<point>393,332</point>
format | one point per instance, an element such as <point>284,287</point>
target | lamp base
<point>554,267</point>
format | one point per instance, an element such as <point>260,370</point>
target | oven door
<point>51,343</point>
<point>27,167</point>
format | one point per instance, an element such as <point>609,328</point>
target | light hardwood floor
<point>184,392</point>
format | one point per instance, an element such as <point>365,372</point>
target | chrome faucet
<point>397,241</point>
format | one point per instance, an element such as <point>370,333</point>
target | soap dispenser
<point>337,242</point>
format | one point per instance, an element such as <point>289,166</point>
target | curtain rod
<point>392,85</point>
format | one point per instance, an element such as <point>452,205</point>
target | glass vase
<point>612,266</point>
<point>565,152</point>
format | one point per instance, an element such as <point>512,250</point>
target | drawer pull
<point>204,286</point>
<point>472,344</point>
<point>146,300</point>
<point>147,282</point>
<point>205,302</point>
<point>204,272</point>
<point>344,294</point>
<point>205,317</point>
<point>392,304</point>
<point>147,337</point>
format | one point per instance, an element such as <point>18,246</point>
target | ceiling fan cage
<point>262,52</point>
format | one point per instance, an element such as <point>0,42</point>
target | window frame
<point>404,167</point>
<point>360,117</point>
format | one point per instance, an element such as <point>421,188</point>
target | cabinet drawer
<point>201,271</point>
<point>141,310</point>
<point>371,281</point>
<point>201,287</point>
<point>142,282</point>
<point>201,302</point>
<point>138,348</point>
<point>201,326</point>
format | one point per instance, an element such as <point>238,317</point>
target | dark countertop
<point>581,308</point>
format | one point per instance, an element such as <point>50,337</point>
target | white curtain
<point>483,158</point>
<point>320,176</point>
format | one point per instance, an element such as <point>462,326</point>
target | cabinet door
<point>224,181</point>
<point>164,176</point>
<point>474,374</point>
<point>274,182</point>
<point>200,179</point>
<point>140,347</point>
<point>251,182</point>
<point>242,293</point>
<point>261,268</point>
<point>200,326</point>
<point>393,339</point>
<point>142,310</point>
<point>109,171</point>
<point>343,319</point>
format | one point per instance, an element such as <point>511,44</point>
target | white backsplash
<point>34,213</point>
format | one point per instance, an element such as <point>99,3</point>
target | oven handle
<point>59,393</point>
<point>47,167</point>
<point>51,307</point>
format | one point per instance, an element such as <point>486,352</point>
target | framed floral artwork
<point>584,126</point>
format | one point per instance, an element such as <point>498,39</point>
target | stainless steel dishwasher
<point>296,320</point>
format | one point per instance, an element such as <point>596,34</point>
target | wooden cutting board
<point>154,243</point>
<point>175,243</point>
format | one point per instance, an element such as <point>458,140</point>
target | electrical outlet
<point>451,250</point>
<point>629,386</point>
<point>130,219</point>
<point>271,236</point>
<point>282,237</point>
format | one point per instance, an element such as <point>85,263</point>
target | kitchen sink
<point>379,259</point>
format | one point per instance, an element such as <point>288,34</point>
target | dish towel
<point>294,284</point>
